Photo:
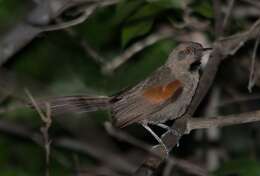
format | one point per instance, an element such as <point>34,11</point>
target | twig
<point>86,47</point>
<point>135,48</point>
<point>234,42</point>
<point>220,121</point>
<point>231,4</point>
<point>253,2</point>
<point>252,75</point>
<point>46,118</point>
<point>71,23</point>
<point>245,12</point>
<point>86,13</point>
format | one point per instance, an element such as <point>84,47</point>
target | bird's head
<point>187,55</point>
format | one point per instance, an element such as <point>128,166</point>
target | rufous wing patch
<point>159,94</point>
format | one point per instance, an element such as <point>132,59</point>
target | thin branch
<point>97,58</point>
<point>220,121</point>
<point>47,120</point>
<point>35,105</point>
<point>89,10</point>
<point>137,47</point>
<point>231,4</point>
<point>83,17</point>
<point>233,43</point>
<point>252,75</point>
<point>253,2</point>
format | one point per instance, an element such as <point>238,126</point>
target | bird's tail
<point>75,104</point>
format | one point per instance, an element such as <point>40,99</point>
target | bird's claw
<point>162,146</point>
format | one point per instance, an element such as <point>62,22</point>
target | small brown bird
<point>164,95</point>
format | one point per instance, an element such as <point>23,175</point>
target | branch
<point>231,44</point>
<point>253,2</point>
<point>220,121</point>
<point>38,20</point>
<point>47,120</point>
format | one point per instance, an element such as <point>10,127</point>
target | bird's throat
<point>195,66</point>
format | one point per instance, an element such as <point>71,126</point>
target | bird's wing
<point>148,97</point>
<point>162,93</point>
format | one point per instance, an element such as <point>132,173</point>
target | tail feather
<point>75,104</point>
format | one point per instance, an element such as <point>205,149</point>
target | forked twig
<point>47,120</point>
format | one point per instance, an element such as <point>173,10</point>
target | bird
<point>164,95</point>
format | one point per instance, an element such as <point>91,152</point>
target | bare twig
<point>252,75</point>
<point>86,13</point>
<point>253,2</point>
<point>233,43</point>
<point>46,118</point>
<point>86,47</point>
<point>228,13</point>
<point>71,23</point>
<point>220,121</point>
<point>137,47</point>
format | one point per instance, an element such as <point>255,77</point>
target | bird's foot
<point>163,150</point>
<point>157,138</point>
<point>173,131</point>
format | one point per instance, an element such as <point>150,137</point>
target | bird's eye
<point>182,54</point>
<point>188,50</point>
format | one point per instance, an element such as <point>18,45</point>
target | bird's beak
<point>206,49</point>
